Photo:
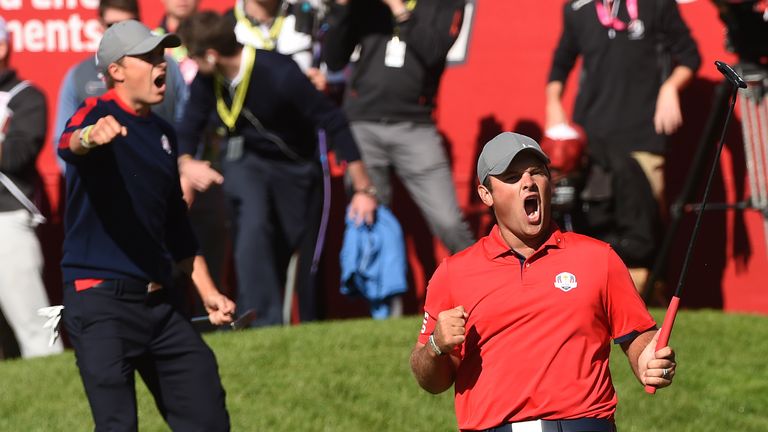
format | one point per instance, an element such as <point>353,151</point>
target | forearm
<point>553,92</point>
<point>635,348</point>
<point>679,78</point>
<point>197,269</point>
<point>358,175</point>
<point>434,373</point>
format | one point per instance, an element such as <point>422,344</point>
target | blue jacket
<point>373,261</point>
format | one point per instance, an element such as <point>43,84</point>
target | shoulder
<point>469,257</point>
<point>583,243</point>
<point>86,69</point>
<point>273,59</point>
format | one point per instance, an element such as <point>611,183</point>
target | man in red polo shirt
<point>521,322</point>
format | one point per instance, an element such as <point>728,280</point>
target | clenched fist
<point>449,329</point>
<point>104,131</point>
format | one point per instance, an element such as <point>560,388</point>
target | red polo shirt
<point>538,332</point>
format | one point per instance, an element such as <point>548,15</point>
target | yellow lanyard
<point>274,30</point>
<point>229,116</point>
<point>410,5</point>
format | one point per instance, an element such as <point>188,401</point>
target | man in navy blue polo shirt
<point>126,224</point>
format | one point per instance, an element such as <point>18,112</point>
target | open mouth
<point>159,81</point>
<point>531,206</point>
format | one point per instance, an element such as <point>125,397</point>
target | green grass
<point>354,376</point>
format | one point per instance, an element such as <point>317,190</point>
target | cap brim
<point>502,165</point>
<point>169,40</point>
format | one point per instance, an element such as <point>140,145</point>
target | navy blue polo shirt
<point>125,216</point>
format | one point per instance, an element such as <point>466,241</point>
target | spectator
<point>628,100</point>
<point>84,80</point>
<point>391,95</point>
<point>269,112</point>
<point>23,120</point>
<point>285,26</point>
<point>520,322</point>
<point>177,11</point>
<point>125,222</point>
<point>616,206</point>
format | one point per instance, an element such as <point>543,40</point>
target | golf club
<point>669,317</point>
<point>240,323</point>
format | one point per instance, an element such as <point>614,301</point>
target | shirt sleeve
<point>200,103</point>
<point>678,38</point>
<point>438,300</point>
<point>627,313</point>
<point>320,111</point>
<point>179,236</point>
<point>87,114</point>
<point>431,34</point>
<point>341,38</point>
<point>567,49</point>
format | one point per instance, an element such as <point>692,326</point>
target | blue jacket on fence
<point>373,261</point>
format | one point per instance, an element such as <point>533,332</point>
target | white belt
<point>527,426</point>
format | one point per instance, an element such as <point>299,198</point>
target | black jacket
<point>23,140</point>
<point>375,91</point>
<point>621,77</point>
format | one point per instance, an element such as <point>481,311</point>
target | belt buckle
<point>527,426</point>
<point>153,286</point>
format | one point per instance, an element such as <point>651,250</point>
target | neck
<point>139,107</point>
<point>525,247</point>
<point>172,23</point>
<point>263,11</point>
<point>230,66</point>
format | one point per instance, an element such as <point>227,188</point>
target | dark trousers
<point>117,328</point>
<point>274,209</point>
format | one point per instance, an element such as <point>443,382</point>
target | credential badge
<point>565,281</point>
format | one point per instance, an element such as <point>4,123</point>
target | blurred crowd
<point>253,97</point>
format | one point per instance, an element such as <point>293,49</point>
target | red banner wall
<point>497,84</point>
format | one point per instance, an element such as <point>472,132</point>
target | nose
<point>527,180</point>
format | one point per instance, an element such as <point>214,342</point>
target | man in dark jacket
<point>268,113</point>
<point>391,95</point>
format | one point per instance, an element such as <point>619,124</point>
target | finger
<point>665,353</point>
<point>111,124</point>
<point>123,131</point>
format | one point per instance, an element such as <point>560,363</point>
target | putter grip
<point>666,330</point>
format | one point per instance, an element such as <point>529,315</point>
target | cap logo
<point>565,281</point>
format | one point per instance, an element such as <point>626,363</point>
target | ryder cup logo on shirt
<point>565,281</point>
<point>166,144</point>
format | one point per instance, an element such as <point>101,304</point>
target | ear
<point>211,56</point>
<point>116,72</point>
<point>485,195</point>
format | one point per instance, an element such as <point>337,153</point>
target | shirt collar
<point>111,94</point>
<point>239,77</point>
<point>495,246</point>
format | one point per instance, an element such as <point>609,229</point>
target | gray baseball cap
<point>127,38</point>
<point>499,152</point>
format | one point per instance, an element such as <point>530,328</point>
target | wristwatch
<point>368,190</point>
<point>434,346</point>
